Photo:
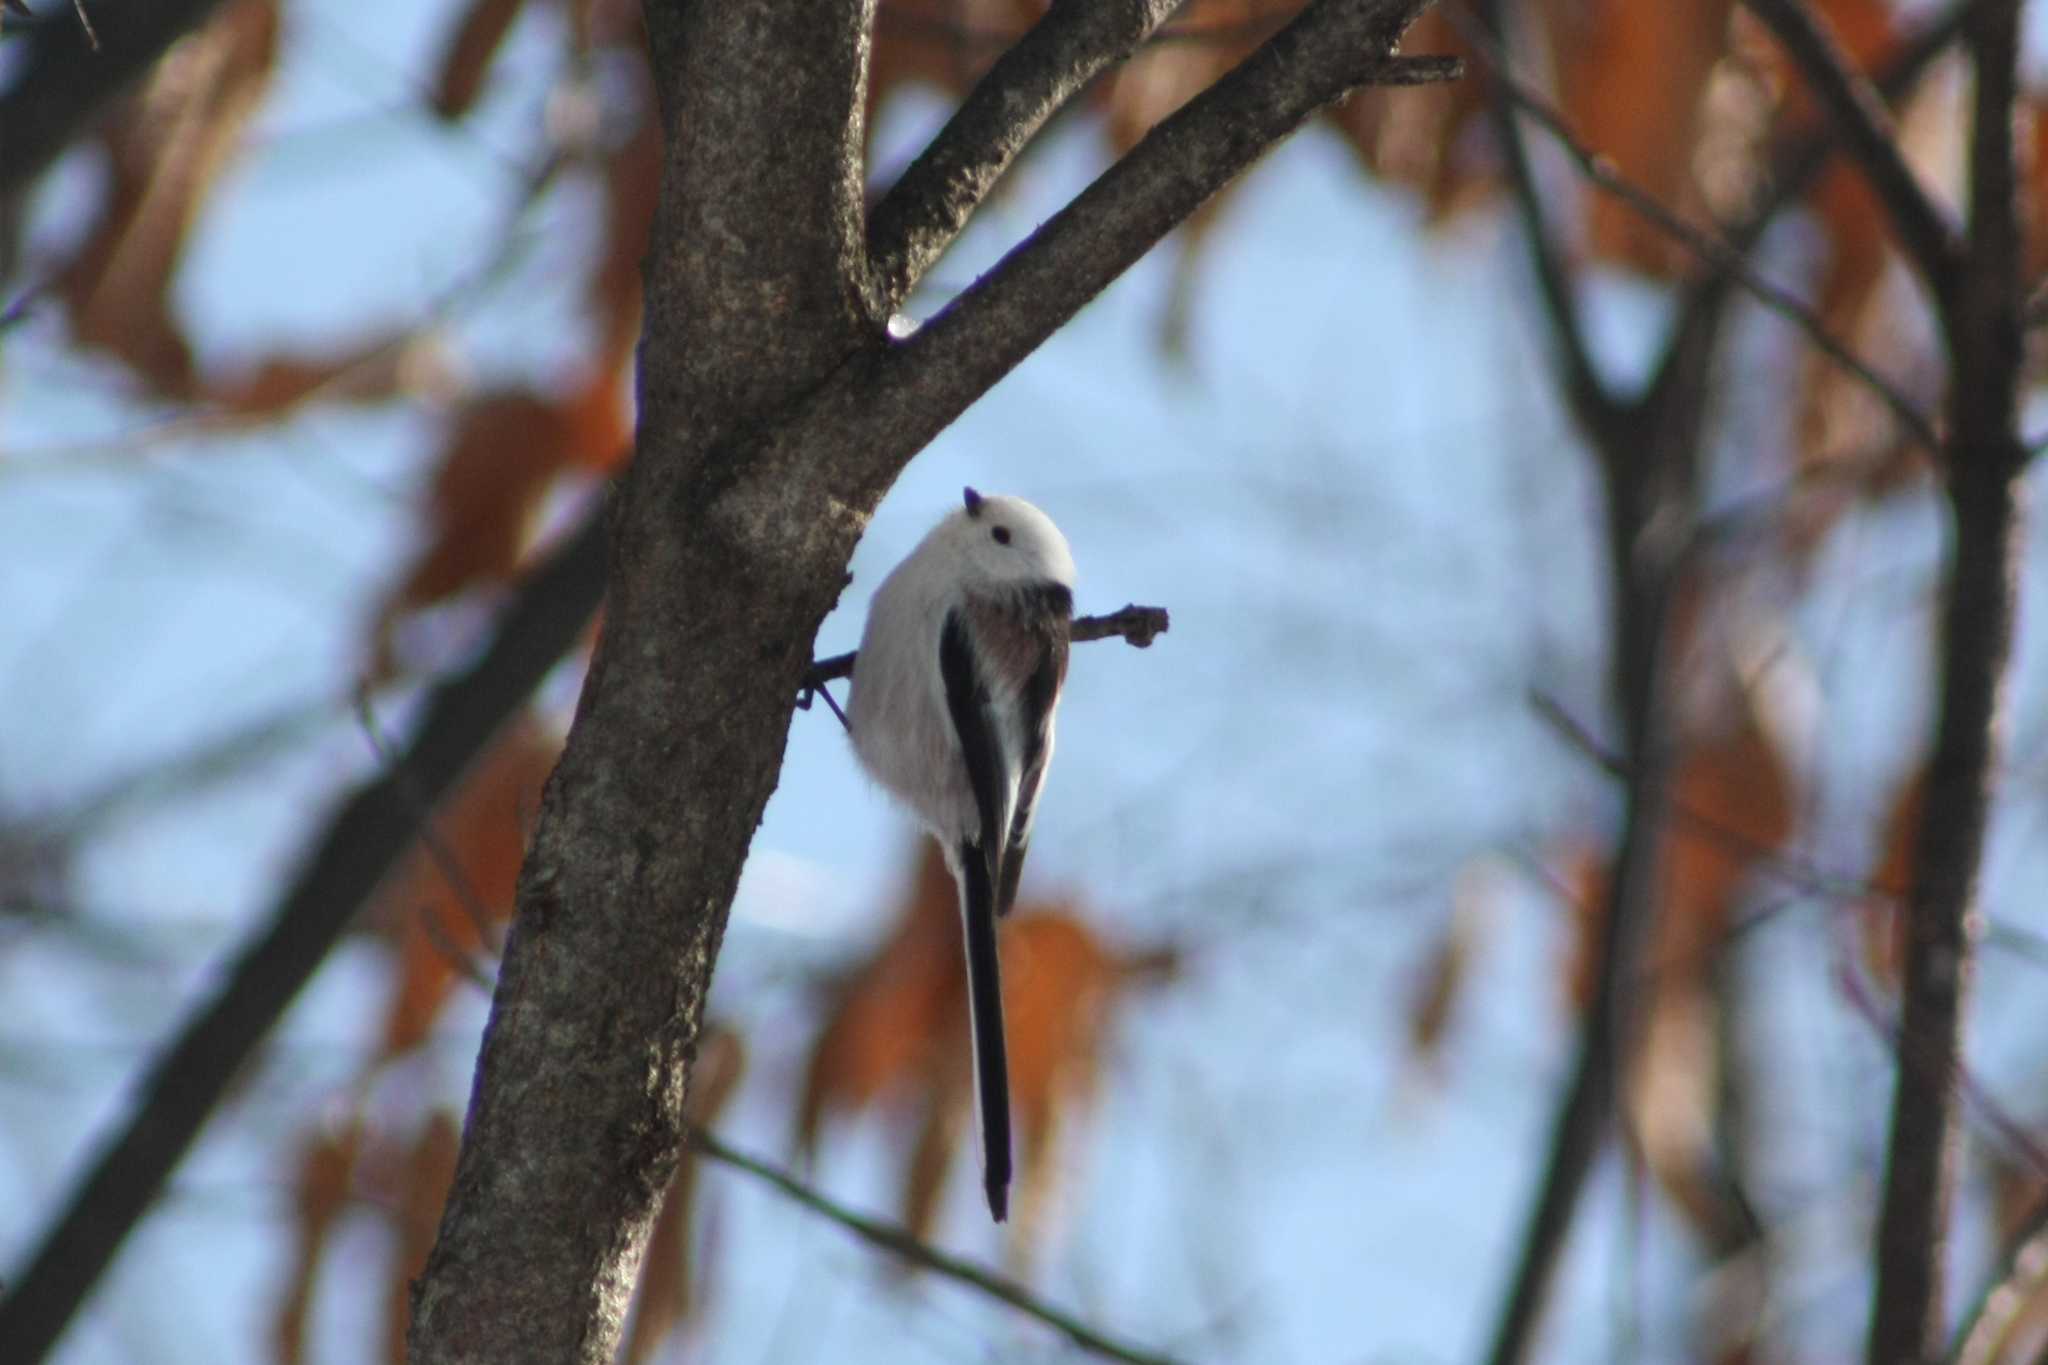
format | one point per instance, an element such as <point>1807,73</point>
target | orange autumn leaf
<point>1881,918</point>
<point>437,920</point>
<point>898,1033</point>
<point>377,369</point>
<point>1731,808</point>
<point>1581,875</point>
<point>1836,419</point>
<point>2037,189</point>
<point>883,1026</point>
<point>1440,979</point>
<point>502,456</point>
<point>323,1187</point>
<point>1631,80</point>
<point>471,48</point>
<point>168,145</point>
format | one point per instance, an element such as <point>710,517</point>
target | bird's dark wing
<point>1049,622</point>
<point>967,697</point>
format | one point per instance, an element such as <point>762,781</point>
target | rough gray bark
<point>774,413</point>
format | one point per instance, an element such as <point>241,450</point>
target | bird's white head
<point>1004,542</point>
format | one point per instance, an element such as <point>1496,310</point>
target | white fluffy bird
<point>954,687</point>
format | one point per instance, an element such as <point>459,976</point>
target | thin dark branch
<point>934,197</point>
<point>362,843</point>
<point>1986,339</point>
<point>1711,248</point>
<point>71,72</point>
<point>1140,626</point>
<point>900,1242</point>
<point>1866,129</point>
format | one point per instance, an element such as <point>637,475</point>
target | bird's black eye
<point>1001,533</point>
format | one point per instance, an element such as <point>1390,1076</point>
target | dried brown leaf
<point>471,49</point>
<point>898,1032</point>
<point>321,1191</point>
<point>482,828</point>
<point>883,1030</point>
<point>1881,918</point>
<point>502,456</point>
<point>429,1171</point>
<point>168,146</point>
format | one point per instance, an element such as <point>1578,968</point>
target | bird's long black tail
<point>985,1007</point>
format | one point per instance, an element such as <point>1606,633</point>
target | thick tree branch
<point>1866,129</point>
<point>934,197</point>
<point>66,80</point>
<point>900,1242</point>
<point>364,841</point>
<point>1986,337</point>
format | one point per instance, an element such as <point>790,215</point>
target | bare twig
<point>899,1241</point>
<point>1859,115</point>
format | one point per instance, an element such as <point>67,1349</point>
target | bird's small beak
<point>973,500</point>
